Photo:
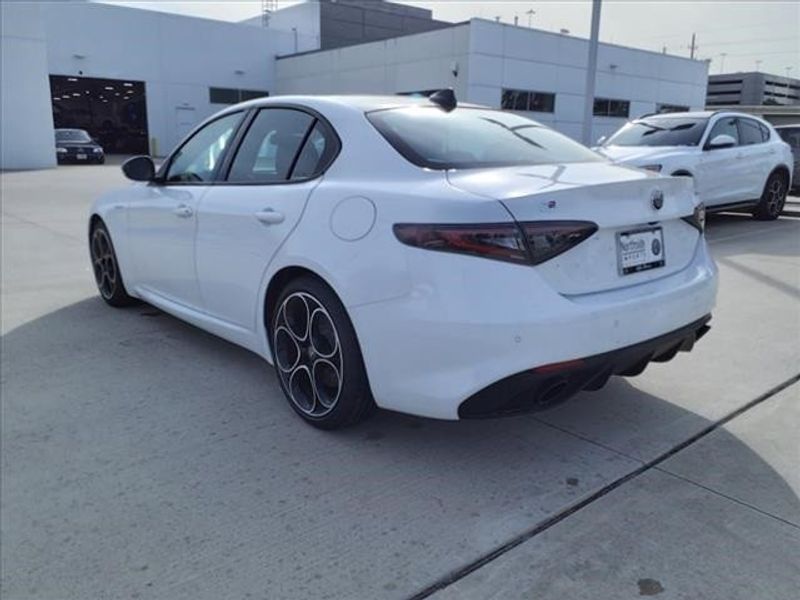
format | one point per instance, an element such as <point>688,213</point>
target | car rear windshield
<point>663,131</point>
<point>72,135</point>
<point>472,138</point>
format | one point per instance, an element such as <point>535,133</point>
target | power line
<point>752,40</point>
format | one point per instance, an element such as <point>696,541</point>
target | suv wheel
<point>772,200</point>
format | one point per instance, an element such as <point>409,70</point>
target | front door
<point>719,178</point>
<point>163,224</point>
<point>244,220</point>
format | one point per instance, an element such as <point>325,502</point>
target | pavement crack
<point>485,559</point>
<point>727,497</point>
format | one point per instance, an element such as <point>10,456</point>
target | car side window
<point>726,126</point>
<point>764,132</point>
<point>749,132</point>
<point>270,146</point>
<point>317,153</point>
<point>197,160</point>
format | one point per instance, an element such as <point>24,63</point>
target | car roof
<point>698,114</point>
<point>359,102</point>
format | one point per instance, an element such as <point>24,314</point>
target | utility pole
<point>693,47</point>
<point>591,72</point>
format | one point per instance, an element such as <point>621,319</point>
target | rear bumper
<point>469,323</point>
<point>542,387</point>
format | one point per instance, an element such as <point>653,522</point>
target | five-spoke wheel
<point>773,199</point>
<point>317,357</point>
<point>106,269</point>
<point>308,354</point>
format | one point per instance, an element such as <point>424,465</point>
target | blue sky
<point>733,34</point>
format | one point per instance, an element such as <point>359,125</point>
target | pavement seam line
<point>727,497</point>
<point>462,572</point>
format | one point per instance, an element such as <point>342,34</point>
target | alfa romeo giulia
<point>445,260</point>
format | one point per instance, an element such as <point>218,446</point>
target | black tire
<point>773,198</point>
<point>317,356</point>
<point>107,274</point>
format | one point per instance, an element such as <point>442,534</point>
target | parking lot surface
<point>143,458</point>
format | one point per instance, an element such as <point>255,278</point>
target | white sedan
<point>451,262</point>
<point>737,161</point>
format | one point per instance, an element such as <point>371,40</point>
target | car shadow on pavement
<point>143,456</point>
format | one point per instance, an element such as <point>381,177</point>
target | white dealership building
<point>139,80</point>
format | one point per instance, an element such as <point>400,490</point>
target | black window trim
<point>229,154</point>
<point>225,166</point>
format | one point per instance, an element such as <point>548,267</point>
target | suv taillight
<point>528,243</point>
<point>698,218</point>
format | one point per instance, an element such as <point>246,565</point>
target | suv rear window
<point>472,138</point>
<point>660,131</point>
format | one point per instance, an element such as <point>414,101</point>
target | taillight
<point>698,218</point>
<point>547,239</point>
<point>529,243</point>
<point>501,241</point>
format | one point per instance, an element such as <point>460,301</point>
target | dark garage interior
<point>113,111</point>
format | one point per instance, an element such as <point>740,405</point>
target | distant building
<point>140,80</point>
<point>752,89</point>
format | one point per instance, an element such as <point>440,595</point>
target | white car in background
<point>737,161</point>
<point>451,262</point>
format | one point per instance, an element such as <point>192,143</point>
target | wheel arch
<point>783,170</point>
<point>279,279</point>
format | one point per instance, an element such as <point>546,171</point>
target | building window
<point>232,95</point>
<point>671,108</point>
<point>528,101</point>
<point>605,107</point>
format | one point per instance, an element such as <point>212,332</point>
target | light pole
<point>591,72</point>
<point>758,66</point>
<point>530,14</point>
<point>788,71</point>
<point>722,61</point>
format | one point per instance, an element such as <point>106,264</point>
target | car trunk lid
<point>620,200</point>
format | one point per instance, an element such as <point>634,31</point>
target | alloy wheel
<point>308,354</point>
<point>776,195</point>
<point>103,263</point>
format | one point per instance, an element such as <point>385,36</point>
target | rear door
<point>244,219</point>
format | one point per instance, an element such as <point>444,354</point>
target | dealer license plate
<point>640,250</point>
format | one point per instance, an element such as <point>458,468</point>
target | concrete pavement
<point>143,458</point>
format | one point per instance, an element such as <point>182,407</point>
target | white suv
<point>737,160</point>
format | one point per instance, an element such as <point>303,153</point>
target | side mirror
<point>601,139</point>
<point>139,168</point>
<point>723,140</point>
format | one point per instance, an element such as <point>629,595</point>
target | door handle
<point>184,211</point>
<point>270,216</point>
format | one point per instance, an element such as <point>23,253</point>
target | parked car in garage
<point>441,260</point>
<point>737,161</point>
<point>791,135</point>
<point>77,146</point>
